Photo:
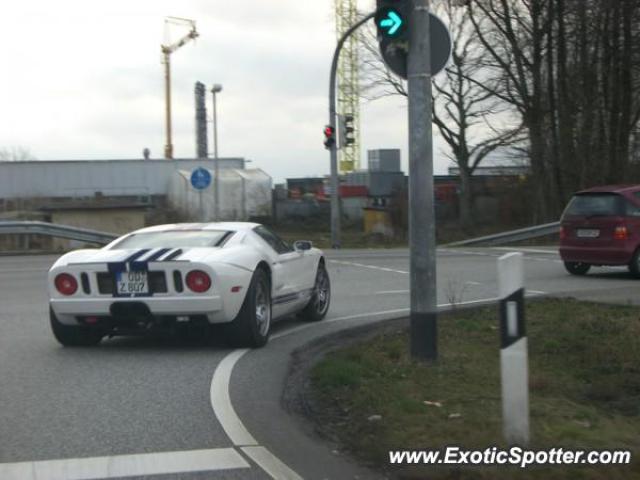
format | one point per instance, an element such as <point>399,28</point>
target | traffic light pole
<point>333,149</point>
<point>422,228</point>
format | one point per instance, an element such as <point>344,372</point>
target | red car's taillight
<point>198,281</point>
<point>621,233</point>
<point>66,284</point>
<point>563,233</point>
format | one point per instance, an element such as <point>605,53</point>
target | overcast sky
<point>83,80</point>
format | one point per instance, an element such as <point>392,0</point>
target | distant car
<point>601,226</point>
<point>238,274</point>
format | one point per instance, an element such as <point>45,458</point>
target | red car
<point>601,226</point>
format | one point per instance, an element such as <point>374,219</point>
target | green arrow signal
<point>393,22</point>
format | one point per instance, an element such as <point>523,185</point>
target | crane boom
<point>167,50</point>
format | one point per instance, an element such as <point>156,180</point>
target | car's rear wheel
<point>318,306</point>
<point>74,335</point>
<point>252,325</point>
<point>577,268</point>
<point>634,265</point>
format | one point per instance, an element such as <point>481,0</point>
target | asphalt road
<point>183,408</point>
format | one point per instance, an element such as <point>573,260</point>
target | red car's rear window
<point>595,204</point>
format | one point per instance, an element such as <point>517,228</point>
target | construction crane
<point>349,83</point>
<point>167,50</point>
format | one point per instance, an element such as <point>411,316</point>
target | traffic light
<point>329,137</point>
<point>347,130</point>
<point>392,19</point>
<point>392,22</point>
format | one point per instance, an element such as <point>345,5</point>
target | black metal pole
<point>333,149</point>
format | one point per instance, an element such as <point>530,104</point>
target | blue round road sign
<point>200,178</point>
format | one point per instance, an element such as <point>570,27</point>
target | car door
<point>287,272</point>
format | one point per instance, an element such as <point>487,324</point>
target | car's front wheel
<point>577,268</point>
<point>252,325</point>
<point>73,335</point>
<point>634,265</point>
<point>318,306</point>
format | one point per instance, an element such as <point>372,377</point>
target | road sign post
<point>514,369</point>
<point>422,228</point>
<point>200,180</point>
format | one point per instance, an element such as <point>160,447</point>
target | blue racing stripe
<point>173,255</point>
<point>136,255</point>
<point>157,255</point>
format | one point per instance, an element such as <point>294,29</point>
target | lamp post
<point>217,88</point>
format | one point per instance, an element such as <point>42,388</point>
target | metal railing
<point>55,230</point>
<point>511,236</point>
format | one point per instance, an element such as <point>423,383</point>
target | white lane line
<point>372,267</point>
<point>527,250</point>
<point>270,463</point>
<point>119,466</point>
<point>536,292</point>
<point>227,416</point>
<point>391,292</point>
<point>221,401</point>
<point>24,270</point>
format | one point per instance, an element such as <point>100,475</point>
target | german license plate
<point>132,282</point>
<point>588,233</point>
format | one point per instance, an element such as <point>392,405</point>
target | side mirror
<point>302,245</point>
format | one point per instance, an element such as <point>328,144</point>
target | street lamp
<point>217,88</point>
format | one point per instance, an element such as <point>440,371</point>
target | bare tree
<point>470,118</point>
<point>571,68</point>
<point>16,154</point>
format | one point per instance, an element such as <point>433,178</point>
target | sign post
<point>416,45</point>
<point>514,367</point>
<point>422,225</point>
<point>201,180</point>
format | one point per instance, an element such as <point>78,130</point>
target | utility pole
<point>217,88</point>
<point>422,225</point>
<point>168,148</point>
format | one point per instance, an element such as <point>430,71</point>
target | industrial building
<point>122,195</point>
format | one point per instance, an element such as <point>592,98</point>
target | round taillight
<point>66,284</point>
<point>198,281</point>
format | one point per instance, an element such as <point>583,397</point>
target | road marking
<point>372,267</point>
<point>526,250</point>
<point>221,401</point>
<point>228,418</point>
<point>270,463</point>
<point>535,292</point>
<point>119,466</point>
<point>391,292</point>
<point>24,270</point>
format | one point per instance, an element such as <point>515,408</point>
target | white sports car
<point>238,274</point>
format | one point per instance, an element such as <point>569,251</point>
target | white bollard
<point>513,350</point>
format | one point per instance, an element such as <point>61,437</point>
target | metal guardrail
<point>102,238</point>
<point>511,236</point>
<point>55,230</point>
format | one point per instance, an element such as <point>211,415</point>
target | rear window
<point>175,239</point>
<point>595,204</point>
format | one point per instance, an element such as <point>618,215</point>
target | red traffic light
<point>329,136</point>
